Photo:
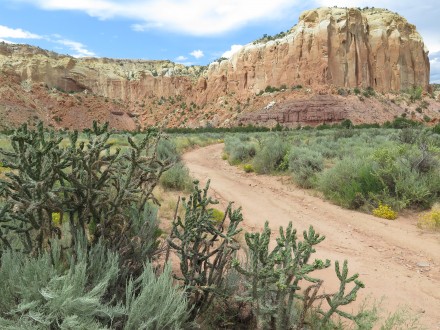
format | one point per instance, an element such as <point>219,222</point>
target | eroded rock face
<point>342,47</point>
<point>328,47</point>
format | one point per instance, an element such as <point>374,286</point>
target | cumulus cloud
<point>10,33</point>
<point>192,17</point>
<point>181,58</point>
<point>197,53</point>
<point>78,49</point>
<point>232,51</point>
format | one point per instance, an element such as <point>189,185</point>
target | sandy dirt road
<point>395,259</point>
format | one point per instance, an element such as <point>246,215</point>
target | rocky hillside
<point>332,51</point>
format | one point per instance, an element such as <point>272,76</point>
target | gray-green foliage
<point>283,276</point>
<point>239,150</point>
<point>50,291</point>
<point>71,291</point>
<point>304,164</point>
<point>205,248</point>
<point>88,182</point>
<point>177,177</point>
<point>271,156</point>
<point>153,302</point>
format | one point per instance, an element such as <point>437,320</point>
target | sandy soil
<point>395,259</point>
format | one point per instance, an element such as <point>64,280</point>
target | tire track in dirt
<point>390,256</point>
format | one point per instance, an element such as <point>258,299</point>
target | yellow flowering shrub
<point>217,215</point>
<point>248,168</point>
<point>56,218</point>
<point>430,220</point>
<point>385,211</point>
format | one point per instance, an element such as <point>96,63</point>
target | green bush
<point>304,164</point>
<point>248,168</point>
<point>416,93</point>
<point>350,183</point>
<point>73,290</point>
<point>167,150</point>
<point>153,302</point>
<point>177,177</point>
<point>271,156</point>
<point>239,151</point>
<point>86,179</point>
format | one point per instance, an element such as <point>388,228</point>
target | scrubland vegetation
<point>384,170</point>
<point>81,244</point>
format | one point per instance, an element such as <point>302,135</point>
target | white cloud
<point>79,50</point>
<point>7,32</point>
<point>146,26</point>
<point>181,58</point>
<point>194,17</point>
<point>197,53</point>
<point>233,50</point>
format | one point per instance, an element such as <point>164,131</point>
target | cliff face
<point>328,47</point>
<point>342,47</point>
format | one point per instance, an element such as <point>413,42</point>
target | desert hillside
<point>334,64</point>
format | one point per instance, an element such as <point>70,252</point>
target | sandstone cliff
<point>342,47</point>
<point>329,47</point>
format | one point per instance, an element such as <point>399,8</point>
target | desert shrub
<point>346,123</point>
<point>415,93</point>
<point>153,302</point>
<point>385,211</point>
<point>217,216</point>
<point>270,156</point>
<point>304,164</point>
<point>408,135</point>
<point>411,190</point>
<point>350,183</point>
<point>436,129</point>
<point>430,220</point>
<point>239,149</point>
<point>66,293</point>
<point>401,122</point>
<point>71,289</point>
<point>241,152</point>
<point>406,174</point>
<point>328,149</point>
<point>177,177</point>
<point>167,150</point>
<point>248,168</point>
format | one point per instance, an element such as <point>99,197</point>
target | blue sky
<point>184,31</point>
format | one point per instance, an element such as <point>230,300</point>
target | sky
<point>191,32</point>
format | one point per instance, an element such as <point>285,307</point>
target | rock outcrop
<point>337,46</point>
<point>328,48</point>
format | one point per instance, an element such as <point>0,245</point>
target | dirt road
<point>395,259</point>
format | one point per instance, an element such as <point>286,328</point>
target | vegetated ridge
<point>335,64</point>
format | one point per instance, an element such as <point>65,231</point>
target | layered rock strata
<point>342,47</point>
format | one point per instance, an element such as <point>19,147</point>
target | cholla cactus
<point>205,247</point>
<point>282,275</point>
<point>93,186</point>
